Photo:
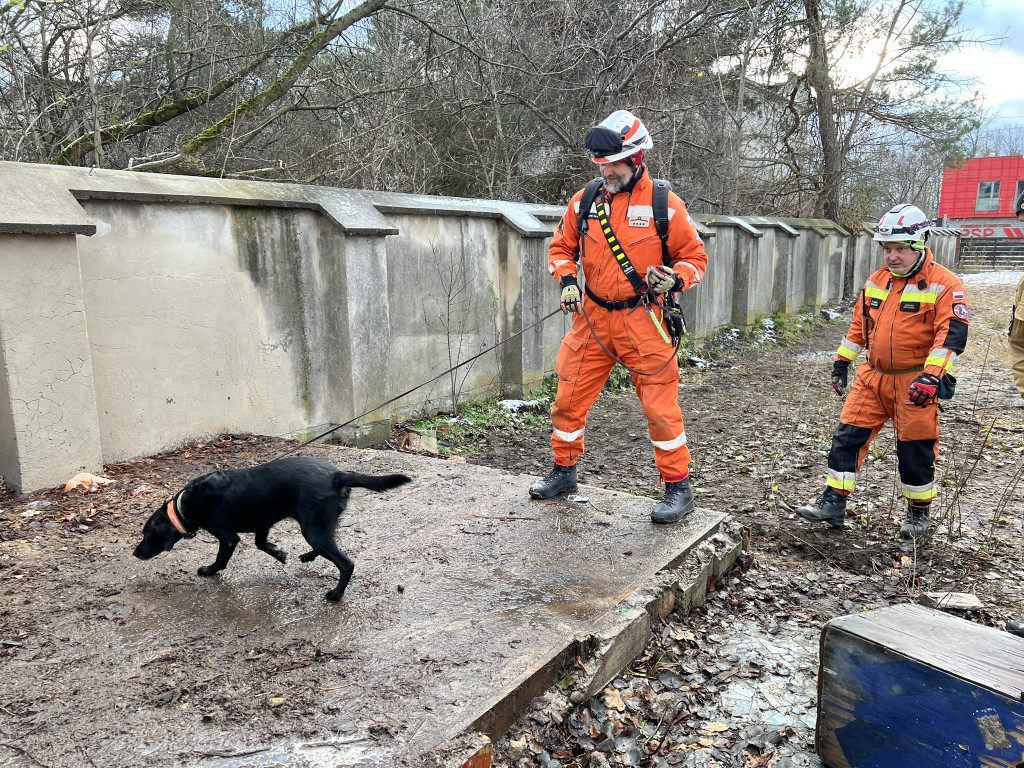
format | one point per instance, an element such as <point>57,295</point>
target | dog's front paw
<point>208,570</point>
<point>334,595</point>
<point>307,557</point>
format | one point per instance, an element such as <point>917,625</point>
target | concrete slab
<point>468,600</point>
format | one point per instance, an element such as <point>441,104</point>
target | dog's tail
<point>373,482</point>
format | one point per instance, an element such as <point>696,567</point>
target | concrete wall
<point>139,312</point>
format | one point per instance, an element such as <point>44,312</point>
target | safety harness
<point>671,311</point>
<point>592,197</point>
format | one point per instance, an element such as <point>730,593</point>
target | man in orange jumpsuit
<point>626,321</point>
<point>911,323</point>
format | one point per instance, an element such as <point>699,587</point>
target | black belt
<point>627,304</point>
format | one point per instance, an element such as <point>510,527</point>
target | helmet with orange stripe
<point>620,136</point>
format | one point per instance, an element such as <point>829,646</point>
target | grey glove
<point>662,279</point>
<point>571,300</point>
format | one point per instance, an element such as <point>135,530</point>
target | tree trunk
<point>818,78</point>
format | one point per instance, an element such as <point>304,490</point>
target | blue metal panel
<point>880,709</point>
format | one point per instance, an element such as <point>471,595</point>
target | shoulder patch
<point>958,296</point>
<point>961,311</point>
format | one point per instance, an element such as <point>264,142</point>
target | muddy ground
<point>759,417</point>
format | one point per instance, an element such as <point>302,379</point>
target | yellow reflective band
<point>842,485</point>
<point>846,354</point>
<point>931,493</point>
<point>873,292</point>
<point>923,297</point>
<point>945,365</point>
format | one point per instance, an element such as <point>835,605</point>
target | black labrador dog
<point>253,500</point>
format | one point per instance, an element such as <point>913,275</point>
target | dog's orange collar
<point>176,515</point>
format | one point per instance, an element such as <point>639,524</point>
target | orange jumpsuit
<point>638,336</point>
<point>906,326</point>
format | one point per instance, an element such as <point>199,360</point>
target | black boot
<point>676,505</point>
<point>917,522</point>
<point>559,480</point>
<point>829,508</point>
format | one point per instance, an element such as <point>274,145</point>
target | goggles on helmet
<point>618,137</point>
<point>911,230</point>
<point>602,142</point>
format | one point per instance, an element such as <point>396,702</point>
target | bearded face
<point>616,176</point>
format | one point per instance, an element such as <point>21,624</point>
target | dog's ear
<point>166,533</point>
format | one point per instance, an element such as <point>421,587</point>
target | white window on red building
<point>988,196</point>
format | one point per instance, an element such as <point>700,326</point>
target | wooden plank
<point>951,601</point>
<point>981,655</point>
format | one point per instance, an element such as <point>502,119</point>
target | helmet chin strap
<point>913,267</point>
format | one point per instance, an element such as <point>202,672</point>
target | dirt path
<point>759,422</point>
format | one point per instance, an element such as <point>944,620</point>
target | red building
<point>978,197</point>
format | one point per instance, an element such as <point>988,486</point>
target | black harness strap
<point>612,305</point>
<point>638,283</point>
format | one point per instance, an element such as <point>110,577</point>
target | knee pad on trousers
<point>846,444</point>
<point>916,459</point>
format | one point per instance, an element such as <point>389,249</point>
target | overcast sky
<point>1000,72</point>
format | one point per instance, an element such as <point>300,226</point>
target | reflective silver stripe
<point>918,488</point>
<point>557,263</point>
<point>842,476</point>
<point>646,211</point>
<point>855,348</point>
<point>671,445</point>
<point>569,436</point>
<point>693,226</point>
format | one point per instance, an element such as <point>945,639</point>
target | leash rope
<point>610,354</point>
<point>418,386</point>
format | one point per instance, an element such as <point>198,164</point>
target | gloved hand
<point>662,279</point>
<point>924,389</point>
<point>840,372</point>
<point>571,300</point>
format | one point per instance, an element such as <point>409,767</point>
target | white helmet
<point>618,136</point>
<point>903,224</point>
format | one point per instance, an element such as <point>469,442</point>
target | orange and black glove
<point>924,389</point>
<point>840,374</point>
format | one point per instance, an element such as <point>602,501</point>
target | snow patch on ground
<point>992,278</point>
<point>821,356</point>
